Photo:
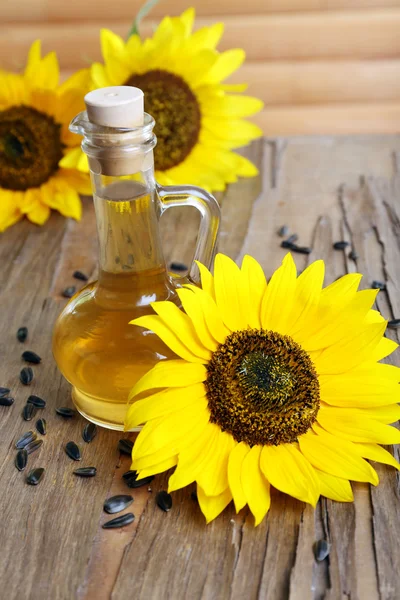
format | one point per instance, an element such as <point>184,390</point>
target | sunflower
<point>197,121</point>
<point>277,384</point>
<point>34,142</point>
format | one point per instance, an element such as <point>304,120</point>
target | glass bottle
<point>95,347</point>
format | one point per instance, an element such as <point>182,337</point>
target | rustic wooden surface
<point>52,544</point>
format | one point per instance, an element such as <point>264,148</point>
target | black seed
<point>25,439</point>
<point>125,446</point>
<point>6,401</point>
<point>378,285</point>
<point>64,411</point>
<point>80,275</point>
<point>28,412</point>
<point>301,249</point>
<point>31,357</point>
<point>26,376</point>
<point>117,503</point>
<point>340,245</point>
<point>133,482</point>
<point>21,460</point>
<point>353,255</point>
<point>321,550</point>
<point>86,472</point>
<point>287,244</point>
<point>35,476</point>
<point>283,231</point>
<point>69,291</point>
<point>4,391</point>
<point>33,446</point>
<point>178,266</point>
<point>120,521</point>
<point>22,334</point>
<point>394,324</point>
<point>292,238</point>
<point>89,432</point>
<point>73,451</point>
<point>41,426</point>
<point>164,500</point>
<point>36,401</point>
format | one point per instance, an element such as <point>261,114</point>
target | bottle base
<point>99,412</point>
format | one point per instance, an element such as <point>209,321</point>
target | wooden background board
<point>320,66</point>
<point>52,543</point>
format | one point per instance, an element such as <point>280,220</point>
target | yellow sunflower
<point>34,140</point>
<point>276,384</point>
<point>197,121</point>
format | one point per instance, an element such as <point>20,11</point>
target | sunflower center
<point>30,147</point>
<point>262,388</point>
<point>171,102</point>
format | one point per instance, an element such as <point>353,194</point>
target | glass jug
<point>95,347</point>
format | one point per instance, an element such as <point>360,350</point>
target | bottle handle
<point>208,207</point>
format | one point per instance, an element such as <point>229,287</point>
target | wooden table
<point>52,543</point>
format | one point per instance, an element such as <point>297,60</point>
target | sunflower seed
<point>340,245</point>
<point>33,446</point>
<point>69,291</point>
<point>321,550</point>
<point>22,334</point>
<point>378,285</point>
<point>283,231</point>
<point>125,446</point>
<point>86,472</point>
<point>89,432</point>
<point>292,238</point>
<point>133,482</point>
<point>21,460</point>
<point>41,426</point>
<point>80,275</point>
<point>117,503</point>
<point>25,439</point>
<point>4,391</point>
<point>287,244</point>
<point>28,412</point>
<point>353,255</point>
<point>301,249</point>
<point>164,500</point>
<point>64,411</point>
<point>36,401</point>
<point>31,357</point>
<point>120,521</point>
<point>394,324</point>
<point>35,476</point>
<point>26,376</point>
<point>6,401</point>
<point>73,451</point>
<point>178,266</point>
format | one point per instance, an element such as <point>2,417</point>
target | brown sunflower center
<point>171,102</point>
<point>30,147</point>
<point>262,388</point>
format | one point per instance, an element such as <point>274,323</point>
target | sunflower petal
<point>192,306</point>
<point>255,486</point>
<point>211,313</point>
<point>213,478</point>
<point>227,281</point>
<point>235,463</point>
<point>212,506</point>
<point>354,426</point>
<point>171,373</point>
<point>376,453</point>
<point>257,284</point>
<point>279,293</point>
<point>334,488</point>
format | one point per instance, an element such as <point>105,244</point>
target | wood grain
<point>53,532</point>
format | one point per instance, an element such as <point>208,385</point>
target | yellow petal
<point>207,280</point>
<point>306,297</point>
<point>192,306</point>
<point>384,348</point>
<point>287,470</point>
<point>213,478</point>
<point>227,63</point>
<point>171,373</point>
<point>352,425</point>
<point>182,327</point>
<point>227,281</point>
<point>235,463</point>
<point>376,453</point>
<point>253,274</point>
<point>212,506</point>
<point>157,325</point>
<point>165,465</point>
<point>279,296</point>
<point>211,313</point>
<point>255,486</point>
<point>334,488</point>
<point>377,386</point>
<point>336,456</point>
<point>39,213</point>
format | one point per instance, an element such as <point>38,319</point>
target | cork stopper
<point>117,106</point>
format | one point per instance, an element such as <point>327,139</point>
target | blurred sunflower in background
<point>276,384</point>
<point>35,112</point>
<point>198,122</point>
